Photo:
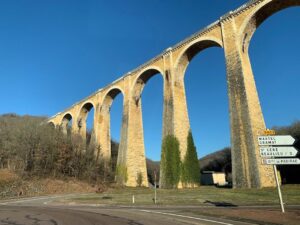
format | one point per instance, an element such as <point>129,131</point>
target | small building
<point>213,178</point>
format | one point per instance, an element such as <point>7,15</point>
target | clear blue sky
<point>54,53</point>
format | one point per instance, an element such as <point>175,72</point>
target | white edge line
<point>26,200</point>
<point>189,217</point>
<point>36,199</point>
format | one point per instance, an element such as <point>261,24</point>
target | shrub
<point>139,179</point>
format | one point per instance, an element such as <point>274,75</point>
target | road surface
<point>40,211</point>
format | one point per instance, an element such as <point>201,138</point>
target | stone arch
<point>105,123</point>
<point>258,16</point>
<point>141,80</point>
<point>189,52</point>
<point>110,96</point>
<point>82,117</point>
<point>65,123</point>
<point>51,124</point>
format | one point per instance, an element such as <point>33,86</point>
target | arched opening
<point>148,89</point>
<point>191,52</point>
<point>274,54</point>
<point>86,122</point>
<point>51,124</point>
<point>90,135</point>
<point>111,121</point>
<point>66,124</point>
<point>262,14</point>
<point>204,77</point>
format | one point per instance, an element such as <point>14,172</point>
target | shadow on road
<point>221,204</point>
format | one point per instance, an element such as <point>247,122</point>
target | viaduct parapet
<point>233,33</point>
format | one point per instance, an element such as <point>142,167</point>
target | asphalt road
<point>39,211</point>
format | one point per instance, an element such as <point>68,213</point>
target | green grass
<point>197,196</point>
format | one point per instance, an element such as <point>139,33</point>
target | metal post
<point>154,187</point>
<point>278,188</point>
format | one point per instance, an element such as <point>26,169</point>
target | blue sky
<point>54,53</point>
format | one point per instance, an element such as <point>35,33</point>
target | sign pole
<point>154,186</point>
<point>278,188</point>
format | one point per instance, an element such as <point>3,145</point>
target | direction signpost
<point>278,151</point>
<point>278,161</point>
<point>276,140</point>
<point>277,146</point>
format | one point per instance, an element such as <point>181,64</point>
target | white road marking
<point>188,217</point>
<point>27,200</point>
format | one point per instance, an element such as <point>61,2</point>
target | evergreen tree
<point>170,162</point>
<point>190,166</point>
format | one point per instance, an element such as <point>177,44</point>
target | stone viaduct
<point>233,33</point>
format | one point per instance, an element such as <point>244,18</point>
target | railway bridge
<point>233,33</point>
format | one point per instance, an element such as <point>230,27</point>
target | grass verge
<point>205,195</point>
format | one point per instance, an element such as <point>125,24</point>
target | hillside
<point>12,185</point>
<point>32,148</point>
<point>220,161</point>
<point>152,167</point>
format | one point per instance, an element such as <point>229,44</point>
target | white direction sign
<point>276,140</point>
<point>278,151</point>
<point>280,161</point>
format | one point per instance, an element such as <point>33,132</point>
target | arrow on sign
<point>276,140</point>
<point>279,161</point>
<point>278,151</point>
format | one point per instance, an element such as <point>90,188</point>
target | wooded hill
<point>33,148</point>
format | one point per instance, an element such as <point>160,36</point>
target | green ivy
<point>190,167</point>
<point>170,162</point>
<point>121,174</point>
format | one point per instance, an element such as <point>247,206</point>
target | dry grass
<point>7,176</point>
<point>205,195</point>
<point>11,185</point>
